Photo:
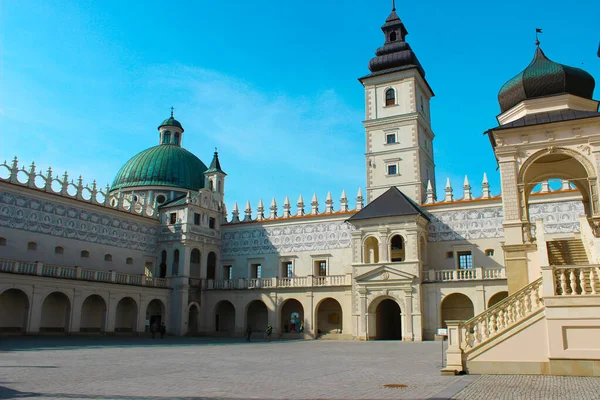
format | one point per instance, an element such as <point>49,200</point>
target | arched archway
<point>456,307</point>
<point>225,317</point>
<point>329,317</point>
<point>388,321</point>
<point>397,249</point>
<point>497,298</point>
<point>211,266</point>
<point>126,316</point>
<point>193,314</point>
<point>371,250</point>
<point>257,316</point>
<point>93,314</point>
<point>292,312</point>
<point>563,163</point>
<point>14,311</point>
<point>56,313</point>
<point>155,313</point>
<point>195,263</point>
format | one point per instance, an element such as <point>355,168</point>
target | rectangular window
<point>465,260</point>
<point>256,271</point>
<point>288,269</point>
<point>211,223</point>
<point>196,219</point>
<point>390,138</point>
<point>227,272</point>
<point>392,169</point>
<point>172,218</point>
<point>321,268</point>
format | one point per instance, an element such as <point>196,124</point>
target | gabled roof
<point>392,203</point>
<point>178,201</point>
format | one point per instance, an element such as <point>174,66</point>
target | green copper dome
<point>162,165</point>
<point>544,77</point>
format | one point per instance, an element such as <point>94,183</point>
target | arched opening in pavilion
<point>456,307</point>
<point>93,314</point>
<point>14,311</point>
<point>225,317</point>
<point>388,325</point>
<point>329,317</point>
<point>292,314</point>
<point>371,250</point>
<point>498,297</point>
<point>56,313</point>
<point>126,316</point>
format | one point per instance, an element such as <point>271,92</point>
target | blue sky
<point>273,85</point>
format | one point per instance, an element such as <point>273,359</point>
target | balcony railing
<point>78,273</point>
<point>268,283</point>
<point>452,275</point>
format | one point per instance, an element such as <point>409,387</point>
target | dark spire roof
<point>396,53</point>
<point>215,165</point>
<point>392,203</point>
<point>544,77</point>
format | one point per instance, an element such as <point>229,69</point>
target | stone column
<point>141,317</point>
<point>309,315</point>
<point>111,317</point>
<point>273,315</point>
<point>384,246</point>
<point>480,300</point>
<point>78,299</point>
<point>363,324</point>
<point>179,301</point>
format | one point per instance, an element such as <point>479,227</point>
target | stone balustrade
<point>452,275</point>
<point>78,273</point>
<point>268,283</point>
<point>576,280</point>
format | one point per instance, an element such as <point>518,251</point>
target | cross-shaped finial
<point>215,149</point>
<point>172,109</point>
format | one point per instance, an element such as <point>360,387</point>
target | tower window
<point>390,97</point>
<point>172,218</point>
<point>211,223</point>
<point>196,219</point>
<point>392,169</point>
<point>176,138</point>
<point>166,137</point>
<point>390,138</point>
<point>393,37</point>
<point>32,246</point>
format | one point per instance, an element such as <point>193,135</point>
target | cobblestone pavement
<point>202,368</point>
<point>191,368</point>
<point>531,387</point>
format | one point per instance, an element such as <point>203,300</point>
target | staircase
<point>567,252</point>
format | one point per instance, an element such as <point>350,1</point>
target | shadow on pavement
<point>34,343</point>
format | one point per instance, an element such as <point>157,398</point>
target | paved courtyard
<point>195,368</point>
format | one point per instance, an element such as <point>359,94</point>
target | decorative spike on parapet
<point>449,196</point>
<point>260,211</point>
<point>300,206</point>
<point>248,212</point>
<point>485,187</point>
<point>328,204</point>
<point>287,208</point>
<point>314,205</point>
<point>343,202</point>
<point>467,195</point>
<point>430,195</point>
<point>235,214</point>
<point>359,200</point>
<point>273,209</point>
<point>545,187</point>
<point>80,191</point>
<point>224,211</point>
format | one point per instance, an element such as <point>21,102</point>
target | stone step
<point>336,336</point>
<point>566,252</point>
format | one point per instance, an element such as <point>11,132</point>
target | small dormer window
<point>176,138</point>
<point>393,37</point>
<point>166,137</point>
<point>390,97</point>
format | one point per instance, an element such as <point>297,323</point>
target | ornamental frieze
<point>19,212</point>
<point>284,239</point>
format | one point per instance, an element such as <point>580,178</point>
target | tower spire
<point>393,5</point>
<point>172,109</point>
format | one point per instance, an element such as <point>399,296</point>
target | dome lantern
<point>171,131</point>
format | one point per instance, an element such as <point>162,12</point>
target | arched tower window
<point>163,264</point>
<point>176,138</point>
<point>166,137</point>
<point>397,249</point>
<point>393,37</point>
<point>390,97</point>
<point>176,262</point>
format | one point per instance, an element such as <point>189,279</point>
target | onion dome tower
<point>543,78</point>
<point>165,171</point>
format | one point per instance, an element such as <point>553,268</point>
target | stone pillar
<point>384,246</point>
<point>408,335</point>
<point>111,314</point>
<point>184,269</point>
<point>511,199</point>
<point>363,323</point>
<point>78,299</point>
<point>178,310</point>
<point>273,315</point>
<point>480,300</point>
<point>309,315</point>
<point>454,354</point>
<point>140,326</point>
<point>515,263</point>
<point>35,313</point>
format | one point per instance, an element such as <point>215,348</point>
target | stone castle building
<point>159,245</point>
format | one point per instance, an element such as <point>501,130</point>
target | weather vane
<point>537,31</point>
<point>172,109</point>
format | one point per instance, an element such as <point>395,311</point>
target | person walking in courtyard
<point>301,330</point>
<point>248,332</point>
<point>163,330</point>
<point>269,331</point>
